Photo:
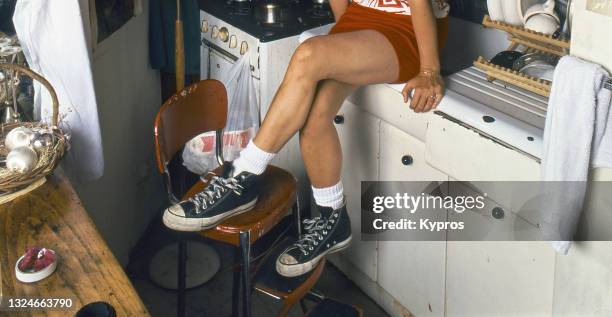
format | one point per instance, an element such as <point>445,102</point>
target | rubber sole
<point>294,270</point>
<point>178,223</point>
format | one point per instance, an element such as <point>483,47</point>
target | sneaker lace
<point>316,229</point>
<point>216,187</point>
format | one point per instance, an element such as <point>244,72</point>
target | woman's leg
<point>319,141</point>
<point>355,58</point>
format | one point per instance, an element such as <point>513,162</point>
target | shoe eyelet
<point>310,248</point>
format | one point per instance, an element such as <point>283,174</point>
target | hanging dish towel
<point>56,43</point>
<point>577,135</point>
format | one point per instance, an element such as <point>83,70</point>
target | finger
<point>439,97</point>
<point>422,101</point>
<point>431,101</point>
<point>416,97</point>
<point>406,91</point>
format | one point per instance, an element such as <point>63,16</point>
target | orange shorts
<point>397,28</point>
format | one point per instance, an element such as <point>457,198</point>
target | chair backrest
<point>199,108</point>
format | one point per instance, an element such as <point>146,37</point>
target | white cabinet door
<point>496,278</point>
<point>413,272</point>
<point>359,135</point>
<point>499,279</point>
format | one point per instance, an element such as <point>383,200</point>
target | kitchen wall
<point>130,193</point>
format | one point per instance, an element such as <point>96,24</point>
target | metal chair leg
<point>236,291</point>
<point>303,305</point>
<point>182,264</point>
<point>295,210</point>
<point>245,255</point>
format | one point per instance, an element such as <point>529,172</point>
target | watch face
<point>600,6</point>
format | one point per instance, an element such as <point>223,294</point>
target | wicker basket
<point>48,157</point>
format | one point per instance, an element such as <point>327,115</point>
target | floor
<point>214,297</point>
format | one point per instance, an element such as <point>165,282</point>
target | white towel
<point>55,39</point>
<point>577,135</point>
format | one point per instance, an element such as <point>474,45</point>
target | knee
<point>307,57</point>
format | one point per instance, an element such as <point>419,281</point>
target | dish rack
<point>533,42</point>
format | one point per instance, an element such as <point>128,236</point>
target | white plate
<point>523,5</point>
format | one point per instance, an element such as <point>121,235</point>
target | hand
<point>428,89</point>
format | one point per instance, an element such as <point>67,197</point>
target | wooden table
<point>52,216</point>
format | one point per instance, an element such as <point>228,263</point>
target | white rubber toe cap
<point>287,259</point>
<point>176,210</point>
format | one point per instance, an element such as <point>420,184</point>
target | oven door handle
<point>218,49</point>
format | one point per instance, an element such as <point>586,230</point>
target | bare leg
<point>318,138</point>
<point>356,58</point>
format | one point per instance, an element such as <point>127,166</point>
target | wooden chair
<point>199,108</point>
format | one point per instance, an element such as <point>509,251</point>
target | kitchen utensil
<point>524,5</point>
<point>179,49</point>
<point>271,13</point>
<point>536,58</point>
<point>506,58</point>
<point>543,23</point>
<point>511,12</point>
<point>496,12</point>
<point>542,18</point>
<point>539,71</point>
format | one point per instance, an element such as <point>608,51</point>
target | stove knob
<point>223,34</point>
<point>233,41</point>
<point>215,32</point>
<point>244,47</point>
<point>204,27</point>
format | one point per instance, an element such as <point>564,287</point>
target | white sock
<point>329,196</point>
<point>252,159</point>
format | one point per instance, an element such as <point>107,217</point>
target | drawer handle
<point>407,160</point>
<point>339,119</point>
<point>498,213</point>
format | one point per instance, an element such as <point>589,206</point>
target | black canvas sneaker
<point>323,235</point>
<point>224,196</point>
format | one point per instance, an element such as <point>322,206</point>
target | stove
<point>303,15</point>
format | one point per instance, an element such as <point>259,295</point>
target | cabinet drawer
<point>467,155</point>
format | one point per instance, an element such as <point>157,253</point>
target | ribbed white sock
<point>329,196</point>
<point>252,159</point>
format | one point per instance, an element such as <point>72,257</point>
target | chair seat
<point>277,195</point>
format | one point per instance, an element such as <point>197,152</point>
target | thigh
<point>356,58</point>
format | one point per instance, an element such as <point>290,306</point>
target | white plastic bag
<point>242,122</point>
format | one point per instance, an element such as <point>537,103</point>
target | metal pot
<point>271,13</point>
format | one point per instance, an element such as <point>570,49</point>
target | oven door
<point>219,65</point>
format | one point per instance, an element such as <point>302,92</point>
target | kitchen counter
<point>52,216</point>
